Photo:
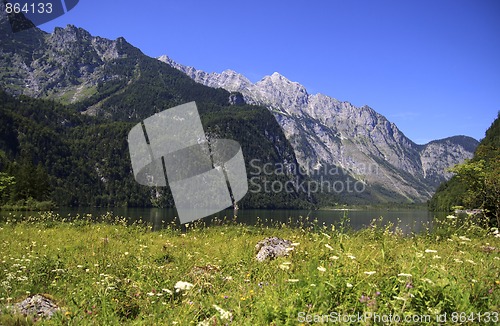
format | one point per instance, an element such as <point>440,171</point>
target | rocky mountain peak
<point>69,35</point>
<point>233,81</point>
<point>229,72</point>
<point>68,61</point>
<point>228,79</point>
<point>280,82</point>
<point>276,77</point>
<point>165,58</point>
<point>281,94</point>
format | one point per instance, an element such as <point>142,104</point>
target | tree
<point>492,185</point>
<point>5,182</point>
<point>473,176</point>
<point>481,180</point>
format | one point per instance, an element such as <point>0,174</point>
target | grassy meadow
<point>111,273</point>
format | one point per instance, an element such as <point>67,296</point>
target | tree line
<point>476,183</point>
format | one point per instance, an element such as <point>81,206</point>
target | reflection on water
<point>408,221</point>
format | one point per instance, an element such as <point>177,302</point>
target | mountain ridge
<point>324,130</point>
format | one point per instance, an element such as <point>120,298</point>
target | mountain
<point>330,135</point>
<point>70,99</point>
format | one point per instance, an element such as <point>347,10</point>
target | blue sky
<point>432,67</point>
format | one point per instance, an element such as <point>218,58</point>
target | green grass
<point>108,273</point>
<point>68,96</point>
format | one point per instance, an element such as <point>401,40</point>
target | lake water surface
<point>408,220</point>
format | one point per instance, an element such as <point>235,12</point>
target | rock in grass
<point>37,306</point>
<point>272,248</point>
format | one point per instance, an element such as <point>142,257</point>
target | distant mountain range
<point>275,120</point>
<point>325,132</point>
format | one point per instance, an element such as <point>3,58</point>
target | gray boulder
<point>273,247</point>
<point>37,306</point>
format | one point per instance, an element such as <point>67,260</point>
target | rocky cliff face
<point>65,65</point>
<point>437,156</point>
<point>325,133</point>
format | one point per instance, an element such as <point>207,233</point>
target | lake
<point>408,220</point>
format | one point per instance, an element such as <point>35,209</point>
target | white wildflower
<point>370,273</point>
<point>405,274</point>
<point>328,246</point>
<point>223,313</point>
<point>293,280</point>
<point>321,269</point>
<point>463,238</point>
<point>182,286</point>
<point>430,251</point>
<point>351,256</point>
<point>284,267</point>
<point>349,285</point>
<point>334,257</point>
